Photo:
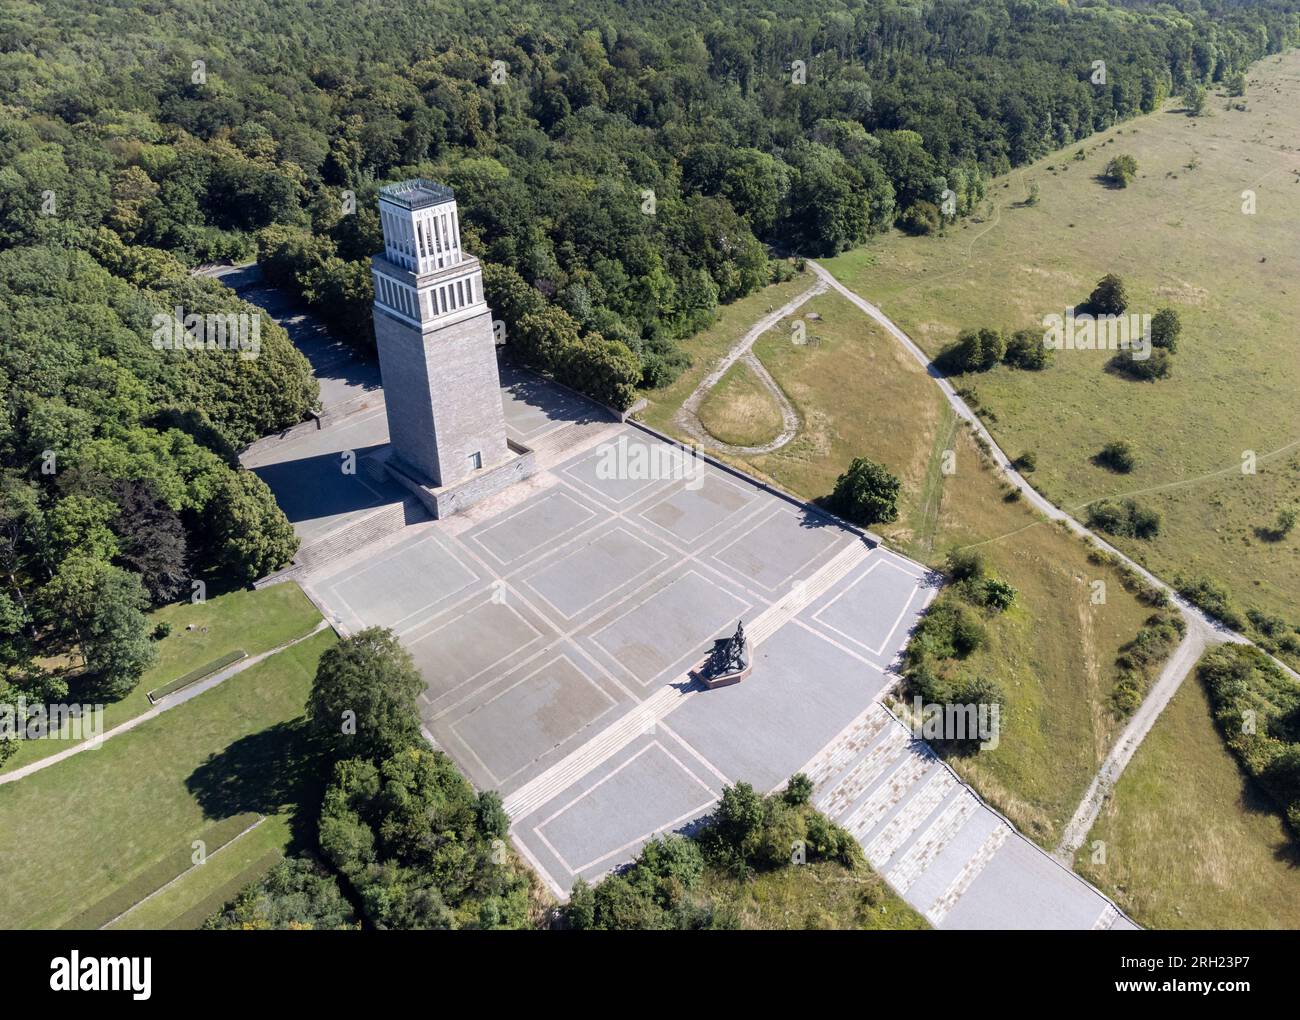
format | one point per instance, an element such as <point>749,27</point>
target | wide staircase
<point>919,826</point>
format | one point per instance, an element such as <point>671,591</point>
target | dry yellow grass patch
<point>740,410</point>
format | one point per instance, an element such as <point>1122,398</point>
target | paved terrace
<point>555,627</point>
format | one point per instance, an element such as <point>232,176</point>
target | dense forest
<point>621,170</point>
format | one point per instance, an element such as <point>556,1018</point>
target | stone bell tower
<point>437,355</point>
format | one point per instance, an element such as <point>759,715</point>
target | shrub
<point>1118,456</point>
<point>1286,521</point>
<point>493,821</point>
<point>1165,329</point>
<point>297,894</point>
<point>968,634</point>
<point>978,350</point>
<point>1241,679</point>
<point>1270,626</point>
<point>997,595</point>
<point>965,564</point>
<point>605,370</point>
<point>1211,597</point>
<point>799,789</point>
<point>1026,350</point>
<point>1026,462</point>
<point>949,630</point>
<point>866,493</point>
<point>1128,693</point>
<point>1121,170</point>
<point>921,218</point>
<point>1126,519</point>
<point>1109,296</point>
<point>1158,365</point>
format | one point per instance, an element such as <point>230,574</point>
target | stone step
<point>570,440</point>
<point>918,808</point>
<point>640,720</point>
<point>931,843</point>
<point>886,796</point>
<point>856,781</point>
<point>970,871</point>
<point>378,523</point>
<point>806,591</point>
<point>859,735</point>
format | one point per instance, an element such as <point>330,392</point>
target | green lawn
<point>1178,237</point>
<point>1189,842</point>
<point>74,833</point>
<point>206,888</point>
<point>255,620</point>
<point>858,393</point>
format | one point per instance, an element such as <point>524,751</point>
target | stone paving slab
<point>781,548</point>
<point>475,644</point>
<point>875,607</point>
<point>795,701</point>
<point>629,470</point>
<point>532,526</point>
<point>692,513</point>
<point>670,629</point>
<point>547,706</point>
<point>399,585</point>
<point>654,785</point>
<point>590,572</point>
<point>1022,887</point>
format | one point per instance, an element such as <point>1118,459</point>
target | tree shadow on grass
<point>1255,801</point>
<point>270,772</point>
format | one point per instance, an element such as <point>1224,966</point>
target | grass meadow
<point>1178,237</point>
<point>1188,841</point>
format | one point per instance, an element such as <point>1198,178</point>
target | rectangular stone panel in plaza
<point>665,633</point>
<point>691,511</point>
<point>873,607</point>
<point>655,788</point>
<point>524,530</point>
<point>541,707</point>
<point>402,585</point>
<point>782,547</point>
<point>578,579</point>
<point>800,694</point>
<point>473,645</point>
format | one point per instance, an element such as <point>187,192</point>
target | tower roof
<point>417,193</point>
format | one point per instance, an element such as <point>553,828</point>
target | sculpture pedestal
<point>712,680</point>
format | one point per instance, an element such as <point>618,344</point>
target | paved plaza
<point>556,626</point>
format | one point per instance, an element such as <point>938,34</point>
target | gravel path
<point>687,418</point>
